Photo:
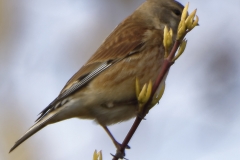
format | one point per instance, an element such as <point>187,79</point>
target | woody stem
<point>167,63</point>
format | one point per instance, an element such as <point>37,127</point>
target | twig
<point>167,63</point>
<point>186,24</point>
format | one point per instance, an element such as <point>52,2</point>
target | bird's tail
<point>37,126</point>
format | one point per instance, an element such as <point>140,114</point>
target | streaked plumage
<point>104,88</point>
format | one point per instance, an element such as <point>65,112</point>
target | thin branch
<point>186,24</point>
<point>167,63</point>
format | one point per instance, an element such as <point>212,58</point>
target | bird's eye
<point>177,12</point>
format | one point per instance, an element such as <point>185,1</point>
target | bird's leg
<point>116,143</point>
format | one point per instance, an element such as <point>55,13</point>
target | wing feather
<point>125,40</point>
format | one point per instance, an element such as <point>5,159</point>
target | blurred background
<point>43,43</point>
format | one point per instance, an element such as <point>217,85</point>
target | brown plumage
<point>104,88</point>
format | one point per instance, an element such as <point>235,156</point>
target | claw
<point>119,155</point>
<point>141,117</point>
<point>119,146</point>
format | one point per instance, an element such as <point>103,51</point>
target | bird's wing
<point>124,41</point>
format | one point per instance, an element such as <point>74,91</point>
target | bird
<point>103,89</point>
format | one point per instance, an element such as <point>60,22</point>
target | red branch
<point>167,63</point>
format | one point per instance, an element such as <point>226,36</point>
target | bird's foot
<point>140,115</point>
<point>119,155</point>
<point>119,146</point>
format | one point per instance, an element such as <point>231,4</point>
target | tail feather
<point>37,126</point>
